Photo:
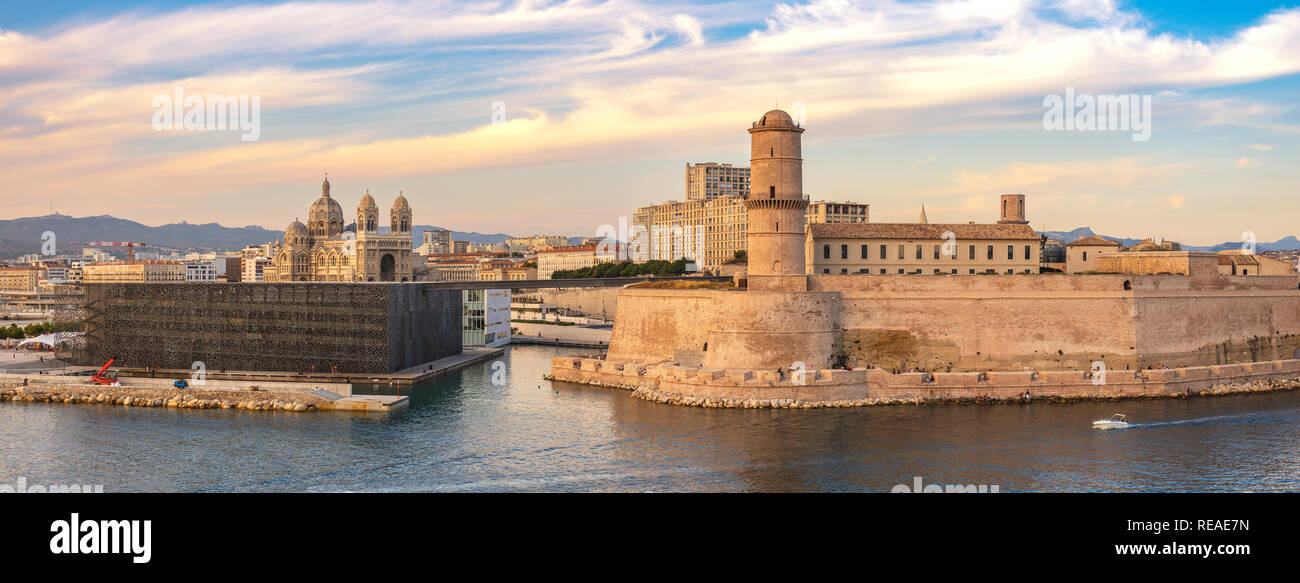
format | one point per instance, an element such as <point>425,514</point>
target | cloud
<point>1082,178</point>
<point>1175,201</point>
<point>1246,163</point>
<point>1261,147</point>
<point>922,162</point>
<point>393,89</point>
<point>690,28</point>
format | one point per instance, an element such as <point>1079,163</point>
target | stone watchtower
<point>1013,210</point>
<point>776,205</point>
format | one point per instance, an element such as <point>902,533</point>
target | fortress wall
<point>1217,326</point>
<point>758,330</point>
<point>709,387</point>
<point>728,329</point>
<point>1006,322</point>
<point>1049,321</point>
<point>654,323</point>
<point>592,301</point>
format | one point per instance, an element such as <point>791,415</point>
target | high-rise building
<point>723,223</point>
<point>19,279</point>
<point>436,242</point>
<point>146,271</point>
<point>709,180</point>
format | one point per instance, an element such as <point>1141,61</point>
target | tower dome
<point>401,215</point>
<point>776,119</point>
<point>367,214</point>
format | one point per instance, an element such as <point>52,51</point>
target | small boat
<point>1116,421</point>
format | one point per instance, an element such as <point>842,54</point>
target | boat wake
<point>1214,420</point>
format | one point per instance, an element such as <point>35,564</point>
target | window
<point>826,271</point>
<point>954,271</point>
<point>900,272</point>
<point>844,251</point>
<point>771,192</point>
<point>864,251</point>
<point>936,251</point>
<point>901,254</point>
<point>844,272</point>
<point>1011,251</point>
<point>882,272</point>
<point>936,272</point>
<point>1026,252</point>
<point>826,251</point>
<point>884,253</point>
<point>1085,255</point>
<point>918,251</point>
<point>972,252</point>
<point>972,272</point>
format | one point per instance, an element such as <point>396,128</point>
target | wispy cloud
<point>391,89</point>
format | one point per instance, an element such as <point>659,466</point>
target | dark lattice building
<point>297,327</point>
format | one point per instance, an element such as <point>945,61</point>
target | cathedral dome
<point>326,208</point>
<point>401,204</point>
<point>295,229</point>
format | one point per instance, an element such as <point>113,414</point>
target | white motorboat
<point>1116,421</point>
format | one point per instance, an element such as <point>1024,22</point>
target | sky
<point>559,117</point>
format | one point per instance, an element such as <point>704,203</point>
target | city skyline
<point>601,103</point>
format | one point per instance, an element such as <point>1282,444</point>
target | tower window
<point>771,192</point>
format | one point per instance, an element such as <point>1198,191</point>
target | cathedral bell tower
<point>776,205</point>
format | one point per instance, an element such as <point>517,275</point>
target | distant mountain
<point>69,231</point>
<point>417,235</point>
<point>1285,244</point>
<point>22,236</point>
<point>1081,232</point>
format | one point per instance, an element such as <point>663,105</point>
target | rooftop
<point>931,231</point>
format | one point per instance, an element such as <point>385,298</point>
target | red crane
<point>100,378</point>
<point>130,255</point>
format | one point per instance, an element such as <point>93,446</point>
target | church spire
<point>923,221</point>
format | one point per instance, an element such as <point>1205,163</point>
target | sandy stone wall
<point>838,388</point>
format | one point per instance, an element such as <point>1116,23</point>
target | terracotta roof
<point>564,249</point>
<point>1093,241</point>
<point>1226,259</point>
<point>918,231</point>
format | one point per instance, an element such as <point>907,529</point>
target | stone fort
<point>1147,311</point>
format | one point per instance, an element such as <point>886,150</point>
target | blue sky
<point>907,102</point>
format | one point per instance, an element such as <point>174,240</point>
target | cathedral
<point>325,250</point>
